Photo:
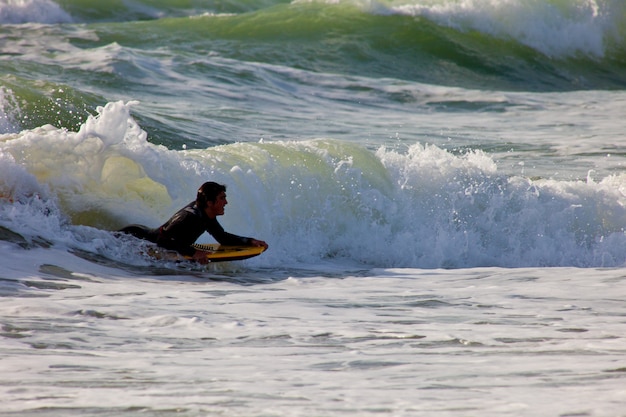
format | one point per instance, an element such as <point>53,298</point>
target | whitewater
<point>441,184</point>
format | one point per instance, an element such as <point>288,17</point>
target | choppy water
<point>441,184</point>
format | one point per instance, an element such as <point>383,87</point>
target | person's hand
<point>200,257</point>
<point>255,242</point>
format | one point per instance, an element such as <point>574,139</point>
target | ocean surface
<point>442,185</point>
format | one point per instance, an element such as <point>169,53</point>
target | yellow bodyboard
<point>214,252</point>
<point>219,253</point>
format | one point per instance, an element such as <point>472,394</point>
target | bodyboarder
<point>181,231</point>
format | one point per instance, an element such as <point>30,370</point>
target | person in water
<point>186,226</point>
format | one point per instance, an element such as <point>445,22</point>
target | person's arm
<point>224,238</point>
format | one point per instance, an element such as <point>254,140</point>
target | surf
<point>313,199</point>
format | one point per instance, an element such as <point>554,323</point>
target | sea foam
<point>32,11</point>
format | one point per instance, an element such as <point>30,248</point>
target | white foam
<point>498,342</point>
<point>556,29</point>
<point>32,11</point>
<point>10,111</point>
<point>316,199</point>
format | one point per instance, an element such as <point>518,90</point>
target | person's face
<point>216,208</point>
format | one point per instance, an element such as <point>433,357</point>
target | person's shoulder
<point>192,208</point>
<point>184,213</point>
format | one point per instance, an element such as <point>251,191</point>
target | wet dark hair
<point>209,192</point>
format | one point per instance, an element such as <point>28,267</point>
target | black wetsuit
<point>183,229</point>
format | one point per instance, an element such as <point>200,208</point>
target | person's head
<point>211,198</point>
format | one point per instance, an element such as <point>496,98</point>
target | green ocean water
<point>157,51</point>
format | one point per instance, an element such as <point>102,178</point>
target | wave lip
<point>558,30</point>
